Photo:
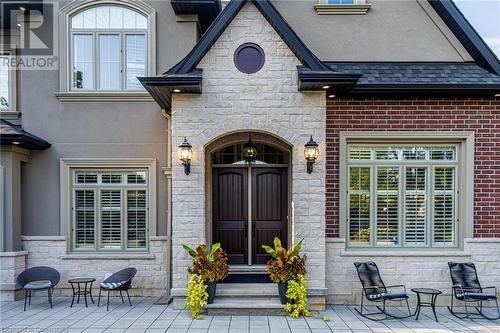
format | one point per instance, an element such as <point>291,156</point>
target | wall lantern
<point>249,152</point>
<point>311,153</point>
<point>185,153</point>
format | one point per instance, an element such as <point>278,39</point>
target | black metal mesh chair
<point>376,291</point>
<point>38,278</point>
<point>466,288</point>
<point>119,281</point>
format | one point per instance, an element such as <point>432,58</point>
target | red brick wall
<point>479,115</point>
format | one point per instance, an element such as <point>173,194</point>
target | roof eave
<point>424,90</point>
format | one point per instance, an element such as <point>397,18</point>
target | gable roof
<point>305,56</point>
<point>466,34</point>
<point>424,79</point>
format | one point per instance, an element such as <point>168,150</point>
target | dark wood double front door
<point>250,208</point>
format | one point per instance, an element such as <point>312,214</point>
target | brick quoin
<point>479,115</point>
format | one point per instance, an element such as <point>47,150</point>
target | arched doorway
<point>249,197</point>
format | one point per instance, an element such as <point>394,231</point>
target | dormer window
<point>347,7</point>
<point>108,45</point>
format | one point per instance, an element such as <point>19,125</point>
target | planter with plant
<point>209,267</point>
<point>287,268</point>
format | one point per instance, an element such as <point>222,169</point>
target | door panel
<point>230,212</point>
<point>269,209</point>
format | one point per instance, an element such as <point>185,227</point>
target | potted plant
<point>284,266</point>
<point>211,266</point>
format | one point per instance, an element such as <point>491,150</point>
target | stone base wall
<point>411,268</point>
<point>152,268</point>
<point>11,264</point>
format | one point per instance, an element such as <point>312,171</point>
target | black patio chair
<point>38,278</point>
<point>376,291</point>
<point>119,281</point>
<point>466,288</point>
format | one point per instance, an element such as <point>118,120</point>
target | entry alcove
<point>248,203</point>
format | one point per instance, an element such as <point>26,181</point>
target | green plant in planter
<point>285,264</point>
<point>196,296</point>
<point>296,294</point>
<point>209,267</point>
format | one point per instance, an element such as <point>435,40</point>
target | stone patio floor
<point>146,316</point>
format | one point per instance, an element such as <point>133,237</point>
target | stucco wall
<point>266,101</point>
<point>390,31</point>
<point>94,129</point>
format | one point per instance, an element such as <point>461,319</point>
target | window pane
<point>83,62</point>
<point>89,18</point>
<point>414,153</point>
<point>360,153</point>
<point>138,177</point>
<point>444,206</point>
<point>84,219</point>
<point>111,219</point>
<point>4,83</point>
<point>442,154</point>
<point>387,206</point>
<point>109,17</point>
<point>111,178</point>
<point>136,223</point>
<point>85,177</point>
<point>102,14</point>
<point>359,205</point>
<point>415,206</point>
<point>386,154</point>
<point>109,62</point>
<point>136,60</point>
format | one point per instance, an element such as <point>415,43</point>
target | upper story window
<point>340,2</point>
<point>342,7</point>
<point>7,82</point>
<point>108,49</point>
<point>107,45</point>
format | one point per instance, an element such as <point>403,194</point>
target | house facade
<point>169,123</point>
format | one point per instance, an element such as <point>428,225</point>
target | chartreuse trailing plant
<point>208,266</point>
<point>287,266</point>
<point>196,296</point>
<point>296,294</point>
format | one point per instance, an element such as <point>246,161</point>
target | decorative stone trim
<point>482,240</point>
<point>403,253</point>
<point>43,238</point>
<point>327,9</point>
<point>108,256</point>
<point>104,97</point>
<point>11,265</point>
<point>13,254</point>
<point>10,115</point>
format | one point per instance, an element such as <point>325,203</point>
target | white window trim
<point>65,93</point>
<point>359,7</point>
<point>465,184</point>
<point>12,112</point>
<point>66,165</point>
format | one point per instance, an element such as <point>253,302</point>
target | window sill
<point>326,9</point>
<point>91,96</point>
<point>107,256</point>
<point>404,253</point>
<point>9,115</point>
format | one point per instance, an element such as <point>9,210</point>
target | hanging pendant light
<point>249,151</point>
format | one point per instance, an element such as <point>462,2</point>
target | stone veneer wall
<point>11,265</point>
<point>152,267</point>
<point>413,269</point>
<point>267,101</point>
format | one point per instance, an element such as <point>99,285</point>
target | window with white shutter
<point>110,210</point>
<point>402,195</point>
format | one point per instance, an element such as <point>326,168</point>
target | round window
<point>249,58</point>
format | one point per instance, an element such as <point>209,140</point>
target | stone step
<point>247,289</point>
<point>246,269</point>
<point>233,306</point>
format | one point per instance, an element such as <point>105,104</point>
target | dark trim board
<point>14,135</point>
<point>466,34</point>
<point>207,10</point>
